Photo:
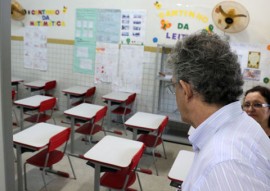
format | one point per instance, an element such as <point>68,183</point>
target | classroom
<point>61,50</point>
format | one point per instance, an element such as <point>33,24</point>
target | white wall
<point>60,56</point>
<point>257,31</point>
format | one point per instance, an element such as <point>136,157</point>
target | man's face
<point>179,93</point>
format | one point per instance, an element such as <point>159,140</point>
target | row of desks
<point>139,121</point>
<point>119,150</point>
<point>85,111</point>
<point>38,84</point>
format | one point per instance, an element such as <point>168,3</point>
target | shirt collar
<point>212,124</point>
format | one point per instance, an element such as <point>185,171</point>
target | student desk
<point>180,168</point>
<point>32,102</point>
<point>36,85</point>
<point>35,137</point>
<point>15,82</point>
<point>114,97</point>
<point>113,152</point>
<point>76,91</point>
<point>84,111</point>
<point>144,121</point>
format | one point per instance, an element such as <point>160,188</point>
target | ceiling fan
<point>17,11</point>
<point>230,17</point>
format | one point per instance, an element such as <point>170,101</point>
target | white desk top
<point>15,79</point>
<point>84,110</point>
<point>144,120</point>
<point>117,96</point>
<point>33,101</point>
<point>114,151</point>
<point>181,166</point>
<point>76,90</point>
<point>36,84</point>
<point>38,135</point>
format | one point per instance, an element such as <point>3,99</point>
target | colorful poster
<point>93,26</point>
<point>130,70</point>
<point>108,25</point>
<point>47,17</point>
<point>107,55</point>
<point>35,48</point>
<point>254,61</point>
<point>173,23</point>
<point>85,41</point>
<point>251,74</point>
<point>133,26</point>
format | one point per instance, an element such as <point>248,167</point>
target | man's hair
<point>207,63</point>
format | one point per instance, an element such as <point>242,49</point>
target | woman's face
<point>260,114</point>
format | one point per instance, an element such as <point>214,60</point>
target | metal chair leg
<point>154,159</point>
<point>165,155</point>
<point>71,167</point>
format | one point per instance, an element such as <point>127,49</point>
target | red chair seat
<point>149,140</point>
<point>53,154</point>
<point>39,159</point>
<point>116,180</point>
<point>153,140</point>
<point>90,94</point>
<point>93,126</point>
<point>124,178</point>
<point>125,109</point>
<point>86,129</point>
<point>48,87</point>
<point>121,111</point>
<point>45,112</point>
<point>34,118</point>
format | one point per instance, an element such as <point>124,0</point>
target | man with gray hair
<point>232,152</point>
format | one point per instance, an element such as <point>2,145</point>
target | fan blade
<point>228,26</point>
<point>239,15</point>
<point>15,8</point>
<point>222,11</point>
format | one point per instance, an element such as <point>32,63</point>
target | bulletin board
<point>166,21</point>
<point>254,60</point>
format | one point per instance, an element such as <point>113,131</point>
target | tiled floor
<point>85,173</point>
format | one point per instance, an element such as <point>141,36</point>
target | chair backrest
<point>135,160</point>
<point>59,139</point>
<point>131,99</point>
<point>163,125</point>
<point>89,93</point>
<point>47,104</point>
<point>100,114</point>
<point>50,85</point>
<point>13,94</point>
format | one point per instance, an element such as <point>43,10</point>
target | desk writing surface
<point>76,90</point>
<point>84,110</point>
<point>16,80</point>
<point>33,101</point>
<point>114,151</point>
<point>117,96</point>
<point>37,83</point>
<point>145,120</point>
<point>181,166</point>
<point>38,135</point>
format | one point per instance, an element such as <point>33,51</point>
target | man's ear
<point>188,92</point>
